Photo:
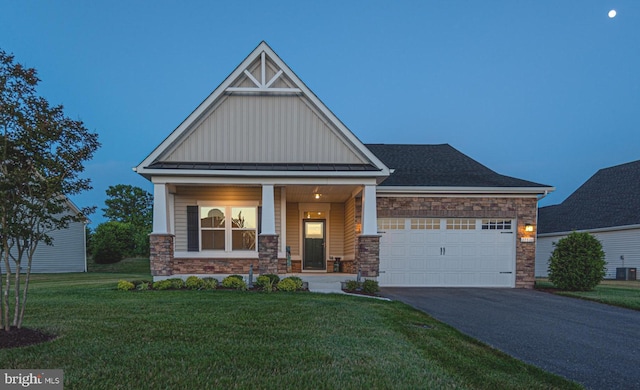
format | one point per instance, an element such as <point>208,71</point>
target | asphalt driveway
<point>593,344</point>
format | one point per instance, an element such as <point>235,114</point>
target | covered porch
<point>301,226</point>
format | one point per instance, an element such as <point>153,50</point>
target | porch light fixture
<point>317,196</point>
<point>528,228</point>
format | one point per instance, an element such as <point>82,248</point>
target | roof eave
<point>404,190</point>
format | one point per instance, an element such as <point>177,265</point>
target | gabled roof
<point>610,198</point>
<point>261,74</point>
<point>442,166</point>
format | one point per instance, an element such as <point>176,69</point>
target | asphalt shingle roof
<point>609,198</point>
<point>438,166</point>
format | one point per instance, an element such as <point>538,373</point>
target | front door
<point>314,240</point>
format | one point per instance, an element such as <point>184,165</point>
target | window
<point>461,224</point>
<point>391,224</point>
<point>496,224</point>
<point>228,228</point>
<point>425,223</point>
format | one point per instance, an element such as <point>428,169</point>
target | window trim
<point>228,228</point>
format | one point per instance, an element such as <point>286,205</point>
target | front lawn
<point>134,265</point>
<point>612,292</point>
<point>111,339</point>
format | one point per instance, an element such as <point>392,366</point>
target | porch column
<point>369,211</point>
<point>160,241</point>
<point>160,225</point>
<point>268,239</point>
<point>268,210</point>
<point>368,246</point>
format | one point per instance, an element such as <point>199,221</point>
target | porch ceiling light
<point>317,196</point>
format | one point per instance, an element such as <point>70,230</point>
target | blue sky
<point>547,91</point>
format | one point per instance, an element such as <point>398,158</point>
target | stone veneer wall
<point>268,254</point>
<point>368,255</point>
<point>523,210</point>
<point>161,254</point>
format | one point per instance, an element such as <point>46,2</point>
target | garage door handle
<point>506,232</point>
<point>506,272</point>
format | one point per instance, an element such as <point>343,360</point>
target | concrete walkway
<point>591,343</point>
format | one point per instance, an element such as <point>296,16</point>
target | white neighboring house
<point>608,206</point>
<point>68,252</point>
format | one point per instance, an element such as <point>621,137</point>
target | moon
<point>612,14</point>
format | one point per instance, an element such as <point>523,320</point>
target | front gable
<point>261,116</point>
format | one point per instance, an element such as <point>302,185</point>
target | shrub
<point>176,283</point>
<point>163,285</point>
<point>234,282</point>
<point>577,262</point>
<point>194,283</point>
<point>124,285</point>
<point>370,286</point>
<point>209,283</point>
<point>264,283</point>
<point>287,284</point>
<point>297,281</point>
<point>273,277</point>
<point>143,286</point>
<point>352,285</point>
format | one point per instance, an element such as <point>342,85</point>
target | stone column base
<point>161,256</point>
<point>368,255</point>
<point>268,253</point>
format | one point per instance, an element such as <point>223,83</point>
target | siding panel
<point>264,129</point>
<point>350,228</point>
<point>293,228</point>
<point>336,240</point>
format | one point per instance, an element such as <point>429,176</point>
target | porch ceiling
<point>328,194</point>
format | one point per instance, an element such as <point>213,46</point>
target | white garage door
<point>447,252</point>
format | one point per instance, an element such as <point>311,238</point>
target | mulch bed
<point>15,337</point>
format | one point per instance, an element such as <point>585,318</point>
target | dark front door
<point>314,239</point>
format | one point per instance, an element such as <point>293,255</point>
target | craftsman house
<point>263,174</point>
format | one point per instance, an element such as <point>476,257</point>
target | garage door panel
<point>461,255</point>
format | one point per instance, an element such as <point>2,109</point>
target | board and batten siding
<point>67,254</point>
<point>293,228</point>
<point>336,230</point>
<point>350,229</point>
<point>264,129</point>
<point>614,244</point>
<point>190,196</point>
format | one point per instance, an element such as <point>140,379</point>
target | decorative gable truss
<point>264,76</point>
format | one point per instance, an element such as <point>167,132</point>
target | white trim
<point>326,208</point>
<point>262,180</point>
<point>209,254</point>
<point>206,105</point>
<point>461,191</point>
<point>283,223</point>
<point>160,208</point>
<point>228,205</point>
<point>595,230</point>
<point>369,211</point>
<point>235,173</point>
<point>268,210</point>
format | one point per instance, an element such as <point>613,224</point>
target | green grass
<point>612,292</point>
<point>111,339</point>
<point>127,266</point>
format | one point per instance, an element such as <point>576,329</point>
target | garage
<point>447,252</point>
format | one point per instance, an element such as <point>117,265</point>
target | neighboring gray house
<point>263,174</point>
<point>68,252</point>
<point>608,206</point>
